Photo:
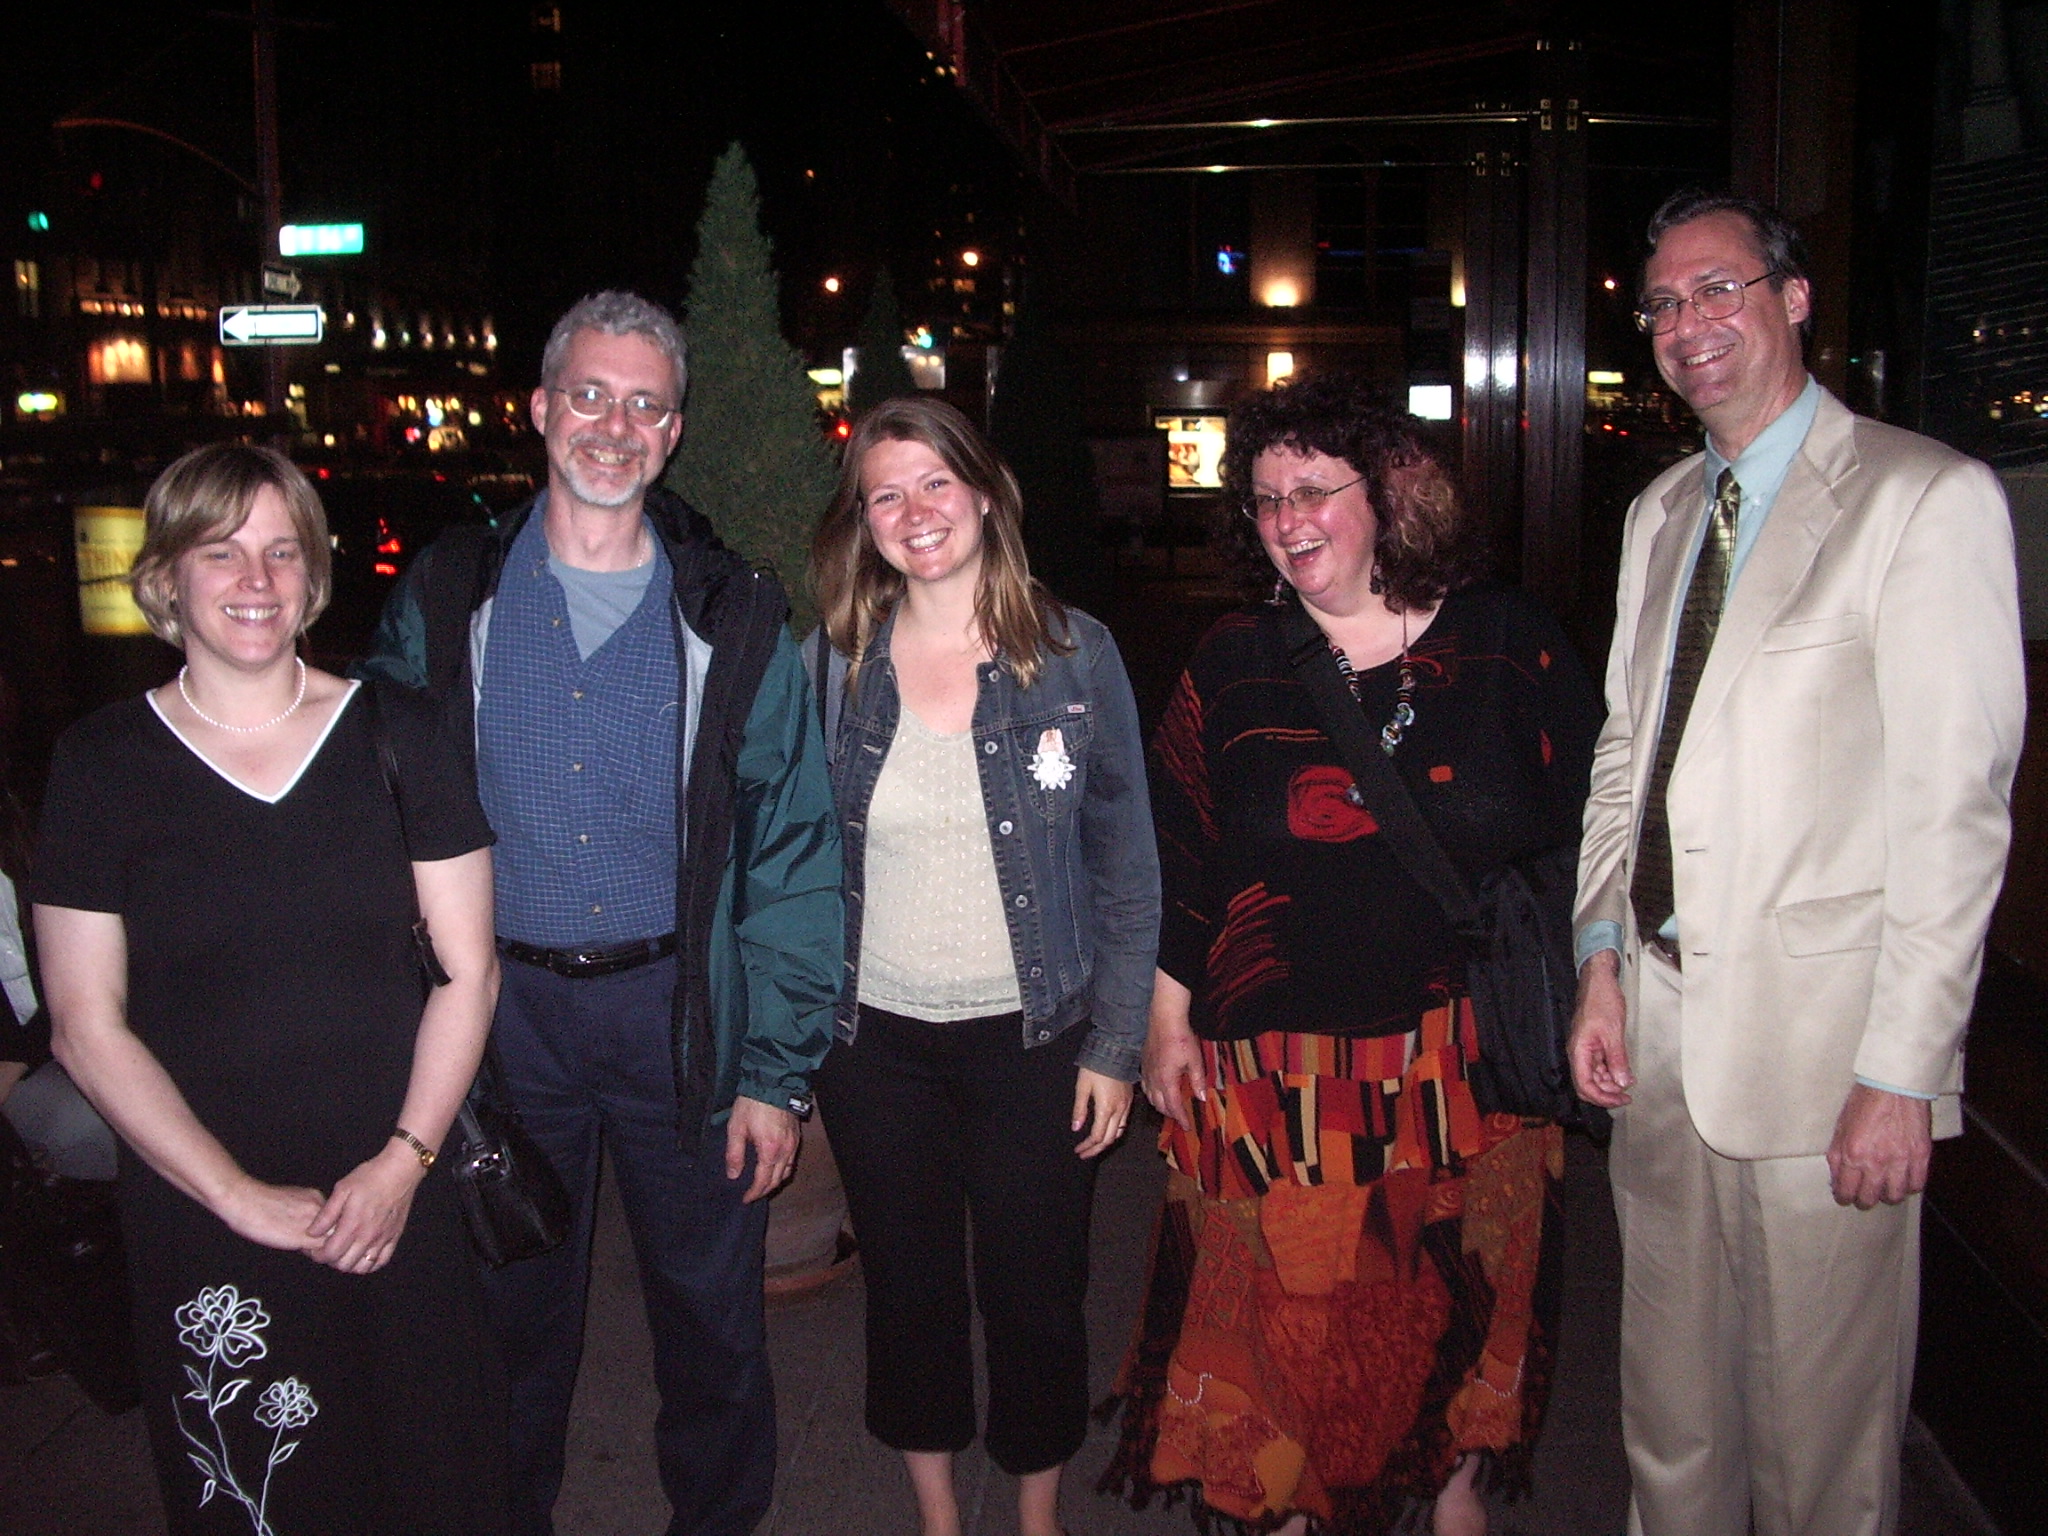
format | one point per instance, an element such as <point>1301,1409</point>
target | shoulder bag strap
<point>828,682</point>
<point>431,969</point>
<point>1308,653</point>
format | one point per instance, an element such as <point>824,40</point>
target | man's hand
<point>1881,1147</point>
<point>1599,1045</point>
<point>772,1133</point>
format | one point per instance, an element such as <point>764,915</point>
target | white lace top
<point>933,942</point>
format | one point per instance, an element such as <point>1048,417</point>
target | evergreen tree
<point>753,458</point>
<point>881,373</point>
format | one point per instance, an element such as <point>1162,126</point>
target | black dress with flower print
<point>270,972</point>
<point>1284,909</point>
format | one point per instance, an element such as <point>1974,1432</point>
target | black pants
<point>932,1123</point>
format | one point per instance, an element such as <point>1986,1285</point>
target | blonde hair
<point>856,589</point>
<point>206,496</point>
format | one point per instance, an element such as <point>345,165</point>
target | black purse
<point>513,1201</point>
<point>512,1198</point>
<point>1518,927</point>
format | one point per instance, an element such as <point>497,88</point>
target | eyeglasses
<point>593,404</point>
<point>1710,301</point>
<point>1303,498</point>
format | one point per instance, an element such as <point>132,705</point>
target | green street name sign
<point>320,240</point>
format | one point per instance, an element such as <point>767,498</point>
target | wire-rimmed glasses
<point>1710,301</point>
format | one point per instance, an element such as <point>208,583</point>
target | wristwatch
<point>420,1149</point>
<point>800,1105</point>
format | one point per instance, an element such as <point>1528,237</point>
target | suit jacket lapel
<point>1685,505</point>
<point>1784,551</point>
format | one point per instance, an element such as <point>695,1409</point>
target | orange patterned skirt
<point>1354,1284</point>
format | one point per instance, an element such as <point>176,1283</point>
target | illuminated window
<point>28,290</point>
<point>118,360</point>
<point>1430,402</point>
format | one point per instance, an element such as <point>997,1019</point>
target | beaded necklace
<point>1404,691</point>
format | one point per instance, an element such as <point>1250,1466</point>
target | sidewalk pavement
<point>66,1469</point>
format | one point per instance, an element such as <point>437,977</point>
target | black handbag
<point>1519,972</point>
<point>512,1198</point>
<point>513,1201</point>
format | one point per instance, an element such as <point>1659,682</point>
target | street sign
<point>281,282</point>
<point>272,325</point>
<point>320,240</point>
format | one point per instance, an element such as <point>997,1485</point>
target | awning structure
<point>1523,97</point>
<point>1135,86</point>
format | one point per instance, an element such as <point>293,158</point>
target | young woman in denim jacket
<point>1002,923</point>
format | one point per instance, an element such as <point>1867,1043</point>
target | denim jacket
<point>1069,819</point>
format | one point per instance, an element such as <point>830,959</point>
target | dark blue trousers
<point>587,1062</point>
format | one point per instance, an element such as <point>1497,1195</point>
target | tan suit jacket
<point>1839,805</point>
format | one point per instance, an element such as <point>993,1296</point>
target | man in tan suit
<point>1797,827</point>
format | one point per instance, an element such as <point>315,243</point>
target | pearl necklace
<point>245,730</point>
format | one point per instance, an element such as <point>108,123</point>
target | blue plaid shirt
<point>576,760</point>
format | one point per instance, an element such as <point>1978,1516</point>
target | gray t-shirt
<point>599,601</point>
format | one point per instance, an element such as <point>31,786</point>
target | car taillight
<point>385,568</point>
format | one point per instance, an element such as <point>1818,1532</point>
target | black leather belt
<point>580,964</point>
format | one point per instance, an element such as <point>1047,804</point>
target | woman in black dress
<point>224,894</point>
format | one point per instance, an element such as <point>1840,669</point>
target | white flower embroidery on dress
<point>222,1329</point>
<point>1050,765</point>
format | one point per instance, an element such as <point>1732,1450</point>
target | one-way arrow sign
<point>272,325</point>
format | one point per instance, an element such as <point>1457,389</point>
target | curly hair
<point>1425,544</point>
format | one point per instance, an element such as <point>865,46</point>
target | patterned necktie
<point>1650,891</point>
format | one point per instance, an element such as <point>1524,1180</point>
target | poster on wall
<point>1194,450</point>
<point>109,539</point>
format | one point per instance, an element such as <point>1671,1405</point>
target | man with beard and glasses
<point>667,895</point>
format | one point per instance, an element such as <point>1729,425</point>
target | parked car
<point>378,522</point>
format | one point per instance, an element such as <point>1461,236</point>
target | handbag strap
<point>827,669</point>
<point>387,769</point>
<point>1372,771</point>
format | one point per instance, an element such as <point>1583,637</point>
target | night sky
<point>423,123</point>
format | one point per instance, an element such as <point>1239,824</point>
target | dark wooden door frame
<point>1554,367</point>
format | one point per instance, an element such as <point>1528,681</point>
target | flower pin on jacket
<point>1050,765</point>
